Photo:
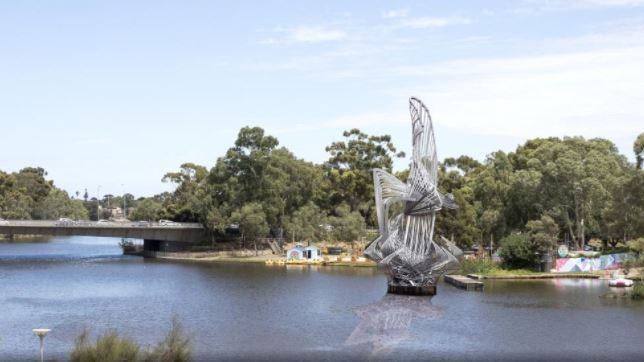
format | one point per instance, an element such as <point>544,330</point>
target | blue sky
<point>116,93</point>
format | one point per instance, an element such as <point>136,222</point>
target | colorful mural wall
<point>583,264</point>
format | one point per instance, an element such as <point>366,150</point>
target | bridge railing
<point>97,224</point>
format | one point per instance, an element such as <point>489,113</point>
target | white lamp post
<point>41,333</point>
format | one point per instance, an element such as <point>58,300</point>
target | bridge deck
<point>183,232</point>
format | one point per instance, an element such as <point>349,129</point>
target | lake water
<point>248,311</point>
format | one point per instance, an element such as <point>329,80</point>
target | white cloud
<point>304,34</point>
<point>343,122</point>
<point>604,3</point>
<point>395,13</point>
<point>434,22</point>
<point>315,34</point>
<point>540,6</point>
<point>593,93</point>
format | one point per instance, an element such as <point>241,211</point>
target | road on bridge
<point>179,232</point>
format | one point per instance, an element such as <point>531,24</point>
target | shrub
<point>596,244</point>
<point>637,245</point>
<point>635,262</point>
<point>109,347</point>
<point>128,246</point>
<point>638,291</point>
<point>175,347</point>
<point>517,252</point>
<point>476,266</point>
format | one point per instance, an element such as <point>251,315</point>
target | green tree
<point>255,171</point>
<point>490,187</point>
<point>347,225</point>
<point>638,148</point>
<point>32,181</point>
<point>146,209</point>
<point>576,181</point>
<point>542,233</point>
<point>349,170</point>
<point>252,221</point>
<point>637,245</point>
<point>15,205</point>
<point>516,251</point>
<point>308,223</point>
<point>457,176</point>
<point>58,204</point>
<point>186,203</point>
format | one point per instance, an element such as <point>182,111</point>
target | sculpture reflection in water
<point>387,323</point>
<point>406,249</point>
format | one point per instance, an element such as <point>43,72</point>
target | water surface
<point>248,311</point>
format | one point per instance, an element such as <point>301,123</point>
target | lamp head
<point>41,332</point>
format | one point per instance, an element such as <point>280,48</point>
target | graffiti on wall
<point>604,262</point>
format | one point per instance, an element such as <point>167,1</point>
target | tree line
<point>29,195</point>
<point>548,190</point>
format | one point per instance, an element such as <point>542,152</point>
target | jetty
<point>464,282</point>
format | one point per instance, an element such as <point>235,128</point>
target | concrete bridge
<point>157,237</point>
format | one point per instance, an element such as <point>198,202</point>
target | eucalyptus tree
<point>346,225</point>
<point>490,196</point>
<point>571,180</point>
<point>251,220</point>
<point>147,209</point>
<point>307,223</point>
<point>185,203</point>
<point>349,169</point>
<point>58,204</point>
<point>458,177</point>
<point>256,171</point>
<point>543,234</point>
<point>638,148</point>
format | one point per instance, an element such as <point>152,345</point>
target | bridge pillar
<point>153,248</point>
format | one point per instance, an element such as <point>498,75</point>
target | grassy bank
<point>486,269</point>
<point>527,274</point>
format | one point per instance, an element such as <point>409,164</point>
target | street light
<point>41,333</point>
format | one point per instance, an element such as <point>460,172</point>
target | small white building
<point>299,252</point>
<point>312,253</point>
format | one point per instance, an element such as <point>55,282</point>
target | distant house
<point>300,252</point>
<point>312,252</point>
<point>296,252</point>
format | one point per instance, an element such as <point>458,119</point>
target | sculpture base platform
<point>412,290</point>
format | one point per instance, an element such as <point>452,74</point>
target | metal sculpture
<point>406,249</point>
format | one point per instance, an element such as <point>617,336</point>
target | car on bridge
<point>168,223</point>
<point>3,221</point>
<point>141,223</point>
<point>65,221</point>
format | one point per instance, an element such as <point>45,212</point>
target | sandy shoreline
<point>259,259</point>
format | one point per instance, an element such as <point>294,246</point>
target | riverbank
<point>18,238</point>
<point>264,257</point>
<point>545,275</point>
<point>635,274</point>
